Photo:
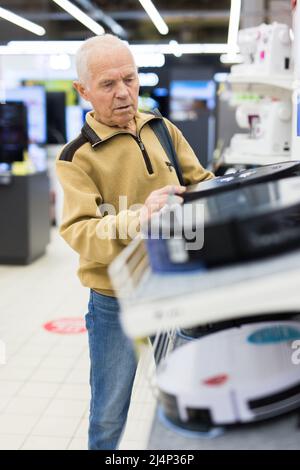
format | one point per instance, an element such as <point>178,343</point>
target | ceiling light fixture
<point>233,28</point>
<point>231,59</point>
<point>149,60</point>
<point>180,48</point>
<point>232,56</point>
<point>71,47</point>
<point>19,21</point>
<point>154,16</point>
<point>80,16</point>
<point>60,62</point>
<point>176,48</point>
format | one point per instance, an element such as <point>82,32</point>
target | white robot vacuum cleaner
<point>234,376</point>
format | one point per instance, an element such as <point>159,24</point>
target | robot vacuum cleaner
<point>236,376</point>
<point>207,329</point>
<point>224,183</point>
<point>241,224</point>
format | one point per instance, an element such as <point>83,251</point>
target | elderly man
<point>117,154</point>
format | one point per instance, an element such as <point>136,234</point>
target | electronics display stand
<point>151,303</point>
<point>281,433</point>
<point>277,432</point>
<point>25,218</point>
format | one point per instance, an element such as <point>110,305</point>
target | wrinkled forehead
<point>114,58</point>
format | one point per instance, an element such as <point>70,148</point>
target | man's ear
<point>80,88</point>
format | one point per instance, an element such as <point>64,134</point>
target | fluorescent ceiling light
<point>40,47</point>
<point>148,79</point>
<point>176,48</point>
<point>231,58</point>
<point>233,29</point>
<point>149,60</point>
<point>80,16</point>
<point>220,77</point>
<point>71,47</point>
<point>60,62</point>
<point>180,48</point>
<point>154,16</point>
<point>19,21</point>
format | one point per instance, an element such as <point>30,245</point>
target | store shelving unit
<point>259,81</point>
<point>277,86</point>
<point>25,224</point>
<point>234,158</point>
<point>153,302</point>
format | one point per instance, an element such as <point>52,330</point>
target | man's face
<point>112,87</point>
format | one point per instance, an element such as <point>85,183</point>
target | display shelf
<point>279,81</point>
<point>153,302</point>
<point>232,158</point>
<point>5,178</point>
<point>276,434</point>
<point>24,207</point>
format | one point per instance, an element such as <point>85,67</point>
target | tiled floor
<point>44,391</point>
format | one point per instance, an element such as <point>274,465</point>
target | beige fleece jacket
<point>100,166</point>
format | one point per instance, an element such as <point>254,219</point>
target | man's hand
<point>158,199</point>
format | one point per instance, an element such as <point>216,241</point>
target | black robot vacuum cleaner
<point>242,224</point>
<point>263,174</point>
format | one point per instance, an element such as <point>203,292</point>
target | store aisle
<point>44,391</point>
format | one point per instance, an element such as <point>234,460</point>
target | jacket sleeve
<point>95,237</point>
<point>192,170</point>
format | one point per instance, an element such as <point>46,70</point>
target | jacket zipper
<point>140,144</point>
<point>145,155</point>
<point>170,166</point>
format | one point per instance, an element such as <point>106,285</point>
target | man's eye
<point>107,85</point>
<point>128,80</point>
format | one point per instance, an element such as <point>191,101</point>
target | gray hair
<point>87,49</point>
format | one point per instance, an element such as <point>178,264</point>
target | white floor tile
<point>8,373</point>
<point>142,411</point>
<point>4,402</point>
<point>33,349</point>
<point>78,444</point>
<point>74,391</point>
<point>26,406</point>
<point>49,375</point>
<point>53,361</point>
<point>40,390</point>
<point>45,443</point>
<point>66,408</point>
<point>82,430</point>
<point>8,389</point>
<point>11,442</point>
<point>68,350</point>
<point>83,365</point>
<point>42,337</point>
<point>132,445</point>
<point>24,361</point>
<point>16,424</point>
<point>56,426</point>
<point>78,376</point>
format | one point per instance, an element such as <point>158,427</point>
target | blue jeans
<point>113,366</point>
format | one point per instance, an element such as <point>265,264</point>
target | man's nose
<point>122,91</point>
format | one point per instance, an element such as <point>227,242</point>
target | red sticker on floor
<point>66,326</point>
